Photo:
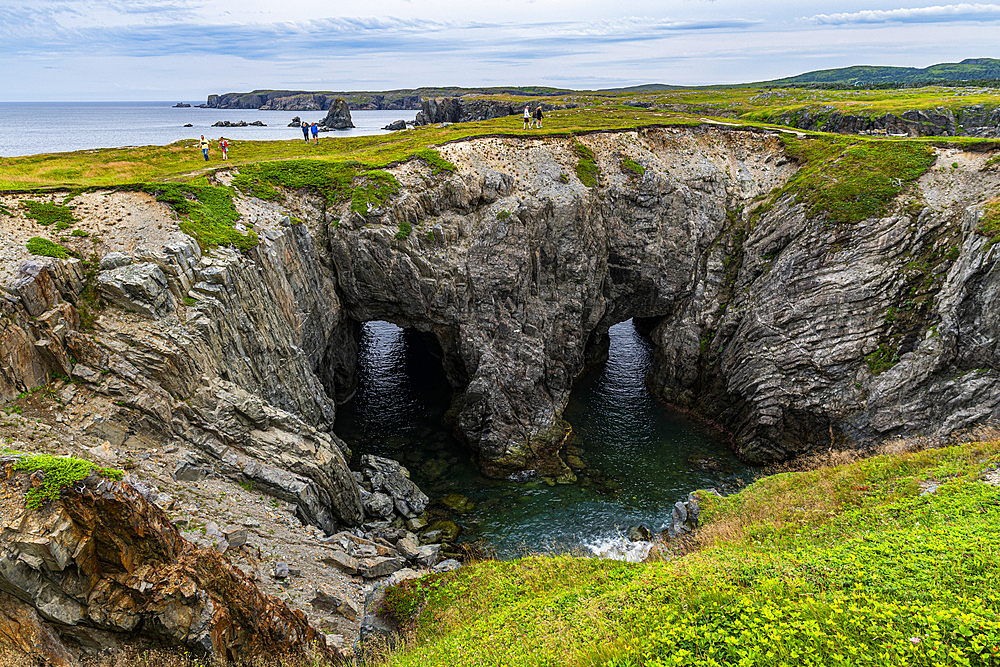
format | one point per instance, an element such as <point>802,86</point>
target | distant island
<point>971,71</point>
<point>302,100</point>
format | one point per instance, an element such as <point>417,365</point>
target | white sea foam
<point>620,548</point>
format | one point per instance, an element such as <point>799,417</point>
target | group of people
<point>314,129</point>
<point>307,129</point>
<point>532,118</point>
<point>204,145</point>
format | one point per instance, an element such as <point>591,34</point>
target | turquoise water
<point>640,456</point>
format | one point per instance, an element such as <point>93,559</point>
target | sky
<point>185,50</point>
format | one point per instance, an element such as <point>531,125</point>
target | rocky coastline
<point>220,372</point>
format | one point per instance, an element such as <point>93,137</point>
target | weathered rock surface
<point>338,117</point>
<point>516,271</point>
<point>974,121</point>
<point>767,334</point>
<point>102,566</point>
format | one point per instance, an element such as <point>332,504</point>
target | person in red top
<point>224,147</point>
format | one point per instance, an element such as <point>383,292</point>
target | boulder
<point>113,260</point>
<point>335,604</point>
<point>391,478</point>
<point>341,560</point>
<point>396,125</point>
<point>378,506</point>
<point>380,566</point>
<point>447,565</point>
<point>338,117</point>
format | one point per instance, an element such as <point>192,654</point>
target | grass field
<point>182,161</point>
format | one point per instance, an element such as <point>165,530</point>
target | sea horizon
<point>37,128</point>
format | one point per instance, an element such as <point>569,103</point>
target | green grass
<point>630,165</point>
<point>59,472</point>
<point>586,167</point>
<point>847,565</point>
<point>207,214</point>
<point>852,179</point>
<point>405,229</point>
<point>45,248</point>
<point>182,161</point>
<point>46,214</point>
<point>989,224</point>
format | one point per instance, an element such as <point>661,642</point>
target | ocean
<point>31,128</point>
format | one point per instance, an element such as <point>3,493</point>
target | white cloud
<point>936,14</point>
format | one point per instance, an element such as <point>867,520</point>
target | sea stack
<point>338,117</point>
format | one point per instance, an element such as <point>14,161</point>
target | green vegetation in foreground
<point>46,214</point>
<point>59,472</point>
<point>208,214</point>
<point>365,188</point>
<point>45,248</point>
<point>850,565</point>
<point>850,179</point>
<point>586,167</point>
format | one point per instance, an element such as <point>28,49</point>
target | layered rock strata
<point>103,567</point>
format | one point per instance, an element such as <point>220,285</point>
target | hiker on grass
<point>224,147</point>
<point>305,131</point>
<point>538,116</point>
<point>527,117</point>
<point>314,128</point>
<point>203,145</point>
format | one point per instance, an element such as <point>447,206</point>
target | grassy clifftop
<point>887,561</point>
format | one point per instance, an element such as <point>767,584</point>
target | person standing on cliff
<point>203,145</point>
<point>305,131</point>
<point>527,117</point>
<point>314,128</point>
<point>224,147</point>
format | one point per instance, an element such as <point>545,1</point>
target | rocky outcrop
<point>973,121</point>
<point>239,123</point>
<point>789,331</point>
<point>242,381</point>
<point>459,110</point>
<point>338,117</point>
<point>518,270</point>
<point>286,100</point>
<point>103,567</point>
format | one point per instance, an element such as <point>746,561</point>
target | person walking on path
<point>224,147</point>
<point>538,116</point>
<point>203,145</point>
<point>527,117</point>
<point>305,131</point>
<point>314,128</point>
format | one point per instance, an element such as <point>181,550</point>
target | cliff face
<point>242,376</point>
<point>790,331</point>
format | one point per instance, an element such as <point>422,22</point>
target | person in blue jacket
<point>314,128</point>
<point>305,131</point>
